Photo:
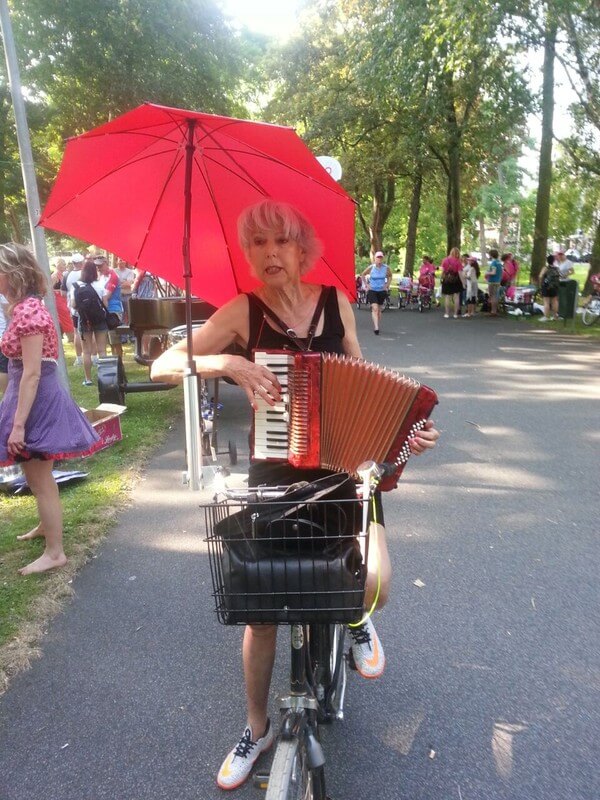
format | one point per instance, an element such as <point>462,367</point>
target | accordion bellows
<point>339,411</point>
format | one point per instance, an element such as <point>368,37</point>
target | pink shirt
<point>451,264</point>
<point>29,318</point>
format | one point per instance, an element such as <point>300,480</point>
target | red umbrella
<point>159,179</point>
<point>122,186</point>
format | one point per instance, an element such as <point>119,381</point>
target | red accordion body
<point>337,412</point>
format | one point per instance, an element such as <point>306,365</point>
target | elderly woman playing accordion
<point>281,247</point>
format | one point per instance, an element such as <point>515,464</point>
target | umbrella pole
<point>193,424</point>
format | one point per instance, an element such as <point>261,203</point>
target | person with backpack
<point>549,282</point>
<point>86,299</point>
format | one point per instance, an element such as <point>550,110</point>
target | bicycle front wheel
<point>290,777</point>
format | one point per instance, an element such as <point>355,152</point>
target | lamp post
<point>38,238</point>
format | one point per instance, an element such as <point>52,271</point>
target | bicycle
<point>591,311</point>
<point>317,611</point>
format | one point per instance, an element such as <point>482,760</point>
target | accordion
<point>338,411</point>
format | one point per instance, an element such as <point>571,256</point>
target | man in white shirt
<point>565,267</point>
<point>73,275</point>
<point>127,276</point>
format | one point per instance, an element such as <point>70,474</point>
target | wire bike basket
<point>295,559</point>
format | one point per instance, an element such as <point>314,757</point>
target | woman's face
<point>275,260</point>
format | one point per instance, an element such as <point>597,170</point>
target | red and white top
<point>29,318</point>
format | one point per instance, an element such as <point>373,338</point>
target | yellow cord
<point>374,605</point>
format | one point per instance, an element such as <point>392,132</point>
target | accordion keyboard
<point>271,423</point>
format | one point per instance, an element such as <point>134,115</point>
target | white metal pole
<point>38,238</point>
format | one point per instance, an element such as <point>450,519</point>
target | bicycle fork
<point>300,707</point>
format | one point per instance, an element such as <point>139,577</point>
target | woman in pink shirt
<point>39,420</point>
<point>452,283</point>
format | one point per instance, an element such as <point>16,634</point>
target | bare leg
<point>258,654</point>
<point>456,304</point>
<point>100,341</point>
<point>378,562</point>
<point>375,315</point>
<point>87,355</point>
<point>554,307</point>
<point>78,345</point>
<point>42,484</point>
<point>447,298</point>
<point>3,382</point>
<point>547,307</point>
<point>34,533</point>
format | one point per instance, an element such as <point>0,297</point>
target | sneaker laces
<point>361,635</point>
<point>244,746</point>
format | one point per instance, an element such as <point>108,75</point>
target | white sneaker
<point>239,762</point>
<point>544,319</point>
<point>95,360</point>
<point>367,651</point>
<point>446,316</point>
<point>78,362</point>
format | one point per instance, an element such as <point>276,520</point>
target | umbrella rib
<point>259,154</point>
<point>124,165</point>
<point>210,190</point>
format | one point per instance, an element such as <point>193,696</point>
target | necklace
<point>291,329</point>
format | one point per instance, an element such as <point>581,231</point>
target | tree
<point>582,25</point>
<point>403,90</point>
<point>542,210</point>
<point>85,61</point>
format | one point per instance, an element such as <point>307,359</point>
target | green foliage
<point>86,61</point>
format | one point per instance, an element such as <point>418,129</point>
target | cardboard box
<point>105,420</point>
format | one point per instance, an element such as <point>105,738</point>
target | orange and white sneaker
<point>239,762</point>
<point>367,651</point>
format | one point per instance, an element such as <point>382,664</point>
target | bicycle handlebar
<point>370,472</point>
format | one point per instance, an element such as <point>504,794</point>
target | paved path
<point>493,680</point>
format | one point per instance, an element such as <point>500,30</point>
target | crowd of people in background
<point>89,329</point>
<point>461,290</point>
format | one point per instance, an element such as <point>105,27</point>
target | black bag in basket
<point>294,561</point>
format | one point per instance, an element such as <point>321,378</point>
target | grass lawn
<point>88,507</point>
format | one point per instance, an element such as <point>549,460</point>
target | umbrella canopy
<point>122,186</point>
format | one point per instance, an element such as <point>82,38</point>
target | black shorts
<point>549,292</point>
<point>377,297</point>
<point>85,332</point>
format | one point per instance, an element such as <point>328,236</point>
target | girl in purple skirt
<point>39,421</point>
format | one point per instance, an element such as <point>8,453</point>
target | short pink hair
<point>271,216</point>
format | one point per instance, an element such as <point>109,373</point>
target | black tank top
<point>262,336</point>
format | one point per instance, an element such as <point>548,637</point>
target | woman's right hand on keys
<point>257,381</point>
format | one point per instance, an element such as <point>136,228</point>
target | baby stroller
<point>404,291</point>
<point>362,287</point>
<point>426,285</point>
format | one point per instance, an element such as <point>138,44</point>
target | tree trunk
<point>413,223</point>
<point>482,242</point>
<point>503,230</point>
<point>542,207</point>
<point>454,217</point>
<point>384,191</point>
